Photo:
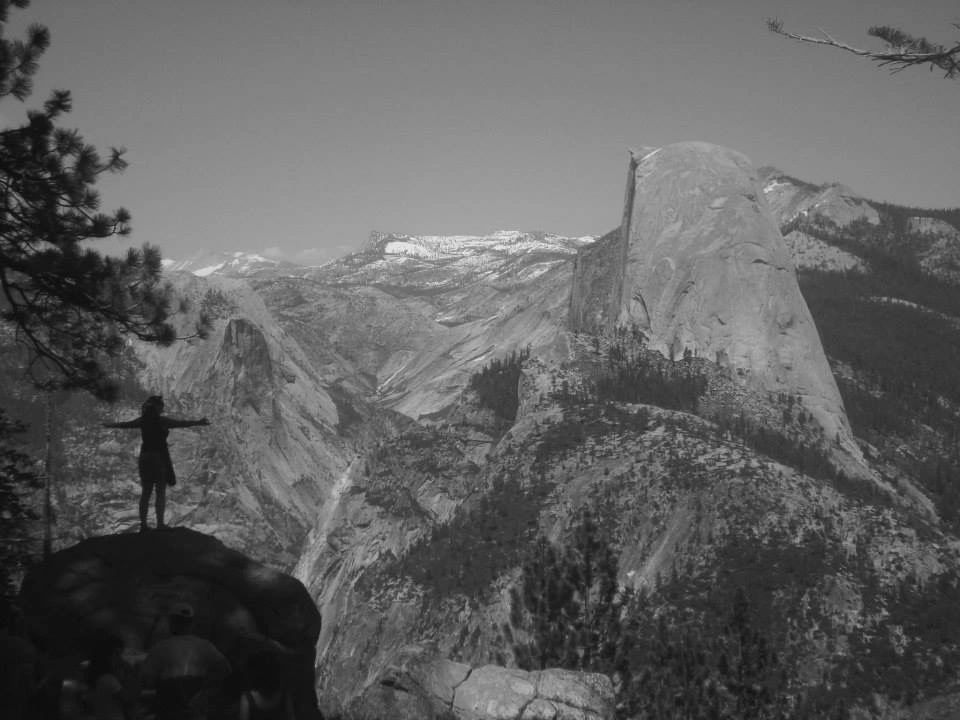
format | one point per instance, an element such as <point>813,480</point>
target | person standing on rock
<point>155,465</point>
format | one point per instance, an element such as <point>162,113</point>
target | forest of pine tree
<point>569,612</point>
<point>496,385</point>
<point>468,553</point>
<point>17,481</point>
<point>905,355</point>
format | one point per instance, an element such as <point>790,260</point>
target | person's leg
<point>161,502</point>
<point>146,488</point>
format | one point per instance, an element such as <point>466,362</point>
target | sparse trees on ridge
<point>903,50</point>
<point>68,304</point>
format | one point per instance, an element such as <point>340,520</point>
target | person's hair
<point>152,405</point>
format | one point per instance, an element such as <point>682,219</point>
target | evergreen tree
<point>16,481</point>
<point>68,304</point>
<point>574,609</point>
<point>496,385</point>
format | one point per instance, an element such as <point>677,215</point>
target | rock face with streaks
<point>699,266</point>
<point>420,685</point>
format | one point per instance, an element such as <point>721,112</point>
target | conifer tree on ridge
<point>70,305</point>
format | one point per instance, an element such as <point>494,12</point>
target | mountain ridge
<point>372,415</point>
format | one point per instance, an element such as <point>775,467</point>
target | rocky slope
<point>416,316</point>
<point>428,542</point>
<point>355,433</point>
<point>283,428</point>
<point>812,218</point>
<point>419,553</point>
<point>790,198</point>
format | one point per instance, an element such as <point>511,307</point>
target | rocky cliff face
<point>276,443</point>
<point>823,225</point>
<point>790,198</point>
<point>418,685</point>
<point>700,267</point>
<point>418,315</point>
<point>284,427</point>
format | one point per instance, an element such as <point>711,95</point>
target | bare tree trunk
<point>48,481</point>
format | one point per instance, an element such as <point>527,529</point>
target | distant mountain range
<point>752,385</point>
<point>229,264</point>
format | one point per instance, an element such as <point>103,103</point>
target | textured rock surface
<point>436,686</point>
<point>789,198</point>
<point>285,423</point>
<point>705,270</point>
<point>674,498</point>
<point>126,585</point>
<point>812,253</point>
<point>941,257</point>
<point>421,314</point>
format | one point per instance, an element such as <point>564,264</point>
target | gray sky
<point>305,124</point>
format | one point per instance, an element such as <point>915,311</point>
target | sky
<point>297,127</point>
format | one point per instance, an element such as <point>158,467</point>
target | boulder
<point>419,684</point>
<point>126,586</point>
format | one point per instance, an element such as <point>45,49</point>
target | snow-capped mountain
<point>501,242</point>
<point>229,264</point>
<point>445,262</point>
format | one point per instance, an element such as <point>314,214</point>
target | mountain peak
<point>699,266</point>
<point>506,242</point>
<point>228,263</point>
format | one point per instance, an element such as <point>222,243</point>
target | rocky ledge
<point>420,685</point>
<point>126,587</point>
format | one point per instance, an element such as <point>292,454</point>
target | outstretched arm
<point>128,424</point>
<point>171,423</point>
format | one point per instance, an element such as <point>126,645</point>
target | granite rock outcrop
<point>436,686</point>
<point>699,266</point>
<point>125,586</point>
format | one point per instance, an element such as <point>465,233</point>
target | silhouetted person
<point>155,465</point>
<point>184,669</point>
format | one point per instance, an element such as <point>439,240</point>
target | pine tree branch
<point>903,51</point>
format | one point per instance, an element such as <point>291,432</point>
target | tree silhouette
<point>16,481</point>
<point>903,50</point>
<point>68,304</point>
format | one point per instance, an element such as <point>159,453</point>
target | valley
<point>702,427</point>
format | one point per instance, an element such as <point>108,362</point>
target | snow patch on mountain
<point>204,271</point>
<point>506,242</point>
<point>232,264</point>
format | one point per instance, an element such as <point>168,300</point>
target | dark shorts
<point>156,468</point>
